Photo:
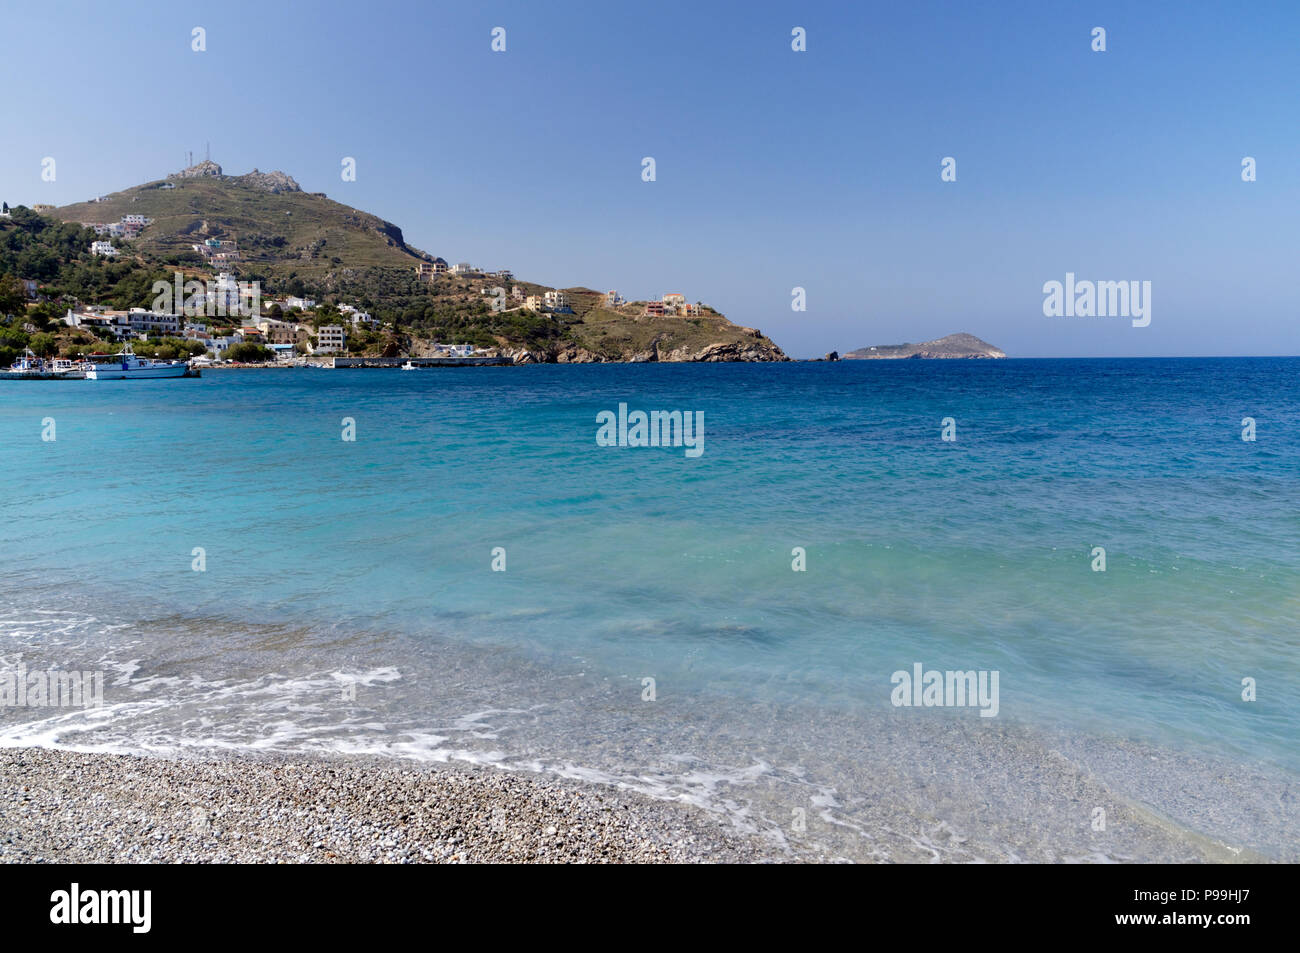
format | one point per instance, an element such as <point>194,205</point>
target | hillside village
<point>292,328</point>
<point>288,329</point>
<point>275,274</point>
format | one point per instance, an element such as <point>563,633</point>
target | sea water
<point>448,564</point>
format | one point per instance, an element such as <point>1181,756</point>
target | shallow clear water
<point>368,564</point>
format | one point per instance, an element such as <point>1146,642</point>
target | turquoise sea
<point>648,629</point>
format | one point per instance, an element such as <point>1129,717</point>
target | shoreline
<point>209,805</point>
<point>64,806</point>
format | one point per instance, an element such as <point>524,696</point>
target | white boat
<point>29,366</point>
<point>127,366</point>
<point>408,366</point>
<point>29,363</point>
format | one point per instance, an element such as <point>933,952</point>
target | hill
<point>278,229</point>
<point>56,256</point>
<point>305,244</point>
<point>953,346</point>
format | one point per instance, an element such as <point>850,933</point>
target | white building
<point>330,339</point>
<point>356,316</point>
<point>106,324</point>
<point>103,248</point>
<point>464,268</point>
<point>151,322</point>
<point>556,300</point>
<point>219,346</point>
<point>305,303</point>
<point>223,297</point>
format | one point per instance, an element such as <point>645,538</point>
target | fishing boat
<point>29,363</point>
<point>29,367</point>
<point>128,366</point>
<point>62,367</point>
<point>408,366</point>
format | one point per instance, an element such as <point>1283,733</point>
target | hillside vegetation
<point>283,235</point>
<point>304,244</point>
<point>57,256</point>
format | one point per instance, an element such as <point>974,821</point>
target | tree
<point>44,345</point>
<point>247,352</point>
<point>44,314</point>
<point>13,296</point>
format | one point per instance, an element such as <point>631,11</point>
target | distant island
<point>966,346</point>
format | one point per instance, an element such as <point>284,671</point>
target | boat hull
<point>41,375</point>
<point>110,373</point>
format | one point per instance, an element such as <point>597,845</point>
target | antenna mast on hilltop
<point>207,152</point>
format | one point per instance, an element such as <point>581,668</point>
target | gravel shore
<point>71,807</point>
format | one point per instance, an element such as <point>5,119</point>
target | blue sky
<point>775,169</point>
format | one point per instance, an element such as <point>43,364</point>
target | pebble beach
<point>59,806</point>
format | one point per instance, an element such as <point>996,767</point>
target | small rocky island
<point>953,346</point>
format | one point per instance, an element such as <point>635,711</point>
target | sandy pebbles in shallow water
<point>71,807</point>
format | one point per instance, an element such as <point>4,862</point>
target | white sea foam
<point>587,729</point>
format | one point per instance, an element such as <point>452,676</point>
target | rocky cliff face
<point>758,349</point>
<point>200,169</point>
<point>272,182</point>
